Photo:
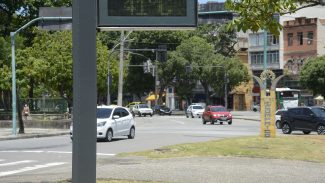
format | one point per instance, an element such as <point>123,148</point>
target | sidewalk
<point>6,133</point>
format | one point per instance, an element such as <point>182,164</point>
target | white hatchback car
<point>194,111</point>
<point>142,110</point>
<point>113,121</point>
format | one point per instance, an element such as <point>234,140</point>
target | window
<point>103,113</point>
<point>124,112</point>
<point>307,112</point>
<point>300,39</point>
<point>117,112</point>
<point>290,39</point>
<point>310,37</point>
<point>272,39</point>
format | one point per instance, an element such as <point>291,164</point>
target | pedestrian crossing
<point>8,167</point>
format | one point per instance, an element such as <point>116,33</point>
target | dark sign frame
<point>123,22</point>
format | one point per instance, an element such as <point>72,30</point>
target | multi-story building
<point>303,38</point>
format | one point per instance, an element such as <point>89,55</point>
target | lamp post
<point>13,64</point>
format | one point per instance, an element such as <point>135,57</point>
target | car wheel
<point>109,135</point>
<point>132,133</point>
<point>306,132</point>
<point>139,114</point>
<point>186,115</point>
<point>230,122</point>
<point>133,114</point>
<point>277,124</point>
<point>286,129</point>
<point>192,115</point>
<point>150,115</point>
<point>255,110</point>
<point>321,130</point>
<point>221,123</point>
<point>203,121</point>
<point>144,115</point>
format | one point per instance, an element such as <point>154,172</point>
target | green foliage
<point>139,83</point>
<point>46,66</point>
<point>312,75</point>
<point>219,36</point>
<point>258,14</point>
<point>207,67</point>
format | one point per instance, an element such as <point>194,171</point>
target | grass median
<point>293,147</point>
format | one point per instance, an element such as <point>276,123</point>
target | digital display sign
<point>147,14</point>
<point>146,7</point>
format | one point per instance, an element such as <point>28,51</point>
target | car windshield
<point>103,113</point>
<point>320,112</point>
<point>218,109</point>
<point>197,107</point>
<point>143,106</point>
<point>163,107</point>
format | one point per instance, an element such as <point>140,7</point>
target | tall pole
<point>226,93</point>
<point>84,91</point>
<point>13,64</point>
<point>108,101</point>
<point>13,88</point>
<point>120,77</point>
<point>265,54</point>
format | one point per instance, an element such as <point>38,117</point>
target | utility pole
<point>120,76</point>
<point>226,93</point>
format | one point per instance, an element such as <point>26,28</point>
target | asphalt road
<point>49,159</point>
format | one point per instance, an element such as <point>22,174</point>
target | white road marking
<point>16,163</point>
<point>54,152</point>
<point>104,154</point>
<point>2,174</point>
<point>59,152</point>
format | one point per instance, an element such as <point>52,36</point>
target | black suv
<point>305,119</point>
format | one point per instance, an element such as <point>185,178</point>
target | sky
<point>204,1</point>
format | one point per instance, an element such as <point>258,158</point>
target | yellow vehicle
<point>130,105</point>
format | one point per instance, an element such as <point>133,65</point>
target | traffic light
<point>162,53</point>
<point>146,66</point>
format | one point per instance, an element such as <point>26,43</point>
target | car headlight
<point>100,124</point>
<point>214,115</point>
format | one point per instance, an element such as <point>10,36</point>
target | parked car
<point>256,107</point>
<point>278,114</point>
<point>113,121</point>
<point>142,110</point>
<point>305,119</point>
<point>216,114</point>
<point>162,110</point>
<point>131,105</point>
<point>194,111</point>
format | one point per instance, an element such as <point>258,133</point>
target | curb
<point>27,136</point>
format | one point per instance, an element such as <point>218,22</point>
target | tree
<point>255,15</point>
<point>150,39</point>
<point>199,54</point>
<point>312,75</point>
<point>219,36</point>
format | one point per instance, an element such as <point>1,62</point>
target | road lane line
<point>25,169</point>
<point>179,122</point>
<point>59,152</point>
<point>16,163</point>
<point>105,154</point>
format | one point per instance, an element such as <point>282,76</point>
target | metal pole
<point>265,53</point>
<point>156,83</point>
<point>108,101</point>
<point>120,78</point>
<point>13,65</point>
<point>13,88</point>
<point>84,91</point>
<point>226,93</point>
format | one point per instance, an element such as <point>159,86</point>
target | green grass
<point>305,148</point>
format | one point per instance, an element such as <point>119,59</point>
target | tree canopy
<point>259,14</point>
<point>312,75</point>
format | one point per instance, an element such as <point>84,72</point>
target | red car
<point>216,114</point>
